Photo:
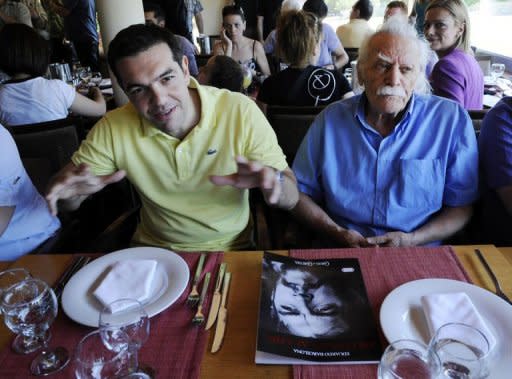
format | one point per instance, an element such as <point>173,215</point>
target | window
<point>491,21</point>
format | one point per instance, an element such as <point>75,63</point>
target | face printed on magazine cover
<point>307,306</point>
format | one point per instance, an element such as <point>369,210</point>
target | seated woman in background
<point>332,54</point>
<point>222,72</point>
<point>27,97</point>
<point>25,220</point>
<point>457,74</point>
<point>246,51</point>
<point>302,83</point>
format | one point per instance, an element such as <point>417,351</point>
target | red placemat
<point>174,349</point>
<point>383,270</point>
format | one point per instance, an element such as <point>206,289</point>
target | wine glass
<point>404,359</point>
<point>497,70</point>
<point>96,78</point>
<point>98,357</point>
<point>29,309</point>
<point>463,351</point>
<point>130,317</point>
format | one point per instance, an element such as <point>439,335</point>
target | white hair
<point>398,26</point>
<point>290,5</point>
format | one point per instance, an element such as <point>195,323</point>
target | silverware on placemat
<point>495,281</point>
<point>193,296</point>
<point>220,328</point>
<point>214,308</point>
<point>199,316</point>
<point>76,265</point>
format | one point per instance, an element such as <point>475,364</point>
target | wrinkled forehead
<point>394,48</point>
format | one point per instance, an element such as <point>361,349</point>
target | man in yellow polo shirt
<point>190,151</point>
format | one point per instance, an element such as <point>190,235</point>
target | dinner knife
<point>77,264</point>
<point>214,308</point>
<point>220,328</point>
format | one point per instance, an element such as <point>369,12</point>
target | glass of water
<point>463,351</point>
<point>406,359</point>
<point>497,70</point>
<point>29,309</point>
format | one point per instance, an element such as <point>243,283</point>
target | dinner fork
<point>193,296</point>
<point>495,281</point>
<point>199,316</point>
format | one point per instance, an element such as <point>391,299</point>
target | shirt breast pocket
<point>420,183</point>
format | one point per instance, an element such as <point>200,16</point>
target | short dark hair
<point>138,38</point>
<point>226,73</point>
<point>229,10</point>
<point>365,8</point>
<point>23,50</point>
<point>398,4</point>
<point>317,7</point>
<point>158,11</point>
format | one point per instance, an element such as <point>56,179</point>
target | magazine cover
<point>313,312</point>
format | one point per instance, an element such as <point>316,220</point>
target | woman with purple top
<point>457,74</point>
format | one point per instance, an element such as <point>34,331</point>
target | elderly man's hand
<point>251,174</point>
<point>395,239</point>
<point>352,238</point>
<point>74,182</point>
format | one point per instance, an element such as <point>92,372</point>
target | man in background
<point>80,28</point>
<point>222,71</point>
<point>267,12</point>
<point>352,34</point>
<point>179,15</point>
<point>154,14</point>
<point>394,8</point>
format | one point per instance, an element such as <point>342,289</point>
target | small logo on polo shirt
<point>211,151</point>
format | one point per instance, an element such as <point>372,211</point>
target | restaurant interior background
<point>491,22</point>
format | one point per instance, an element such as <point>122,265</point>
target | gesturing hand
<point>74,181</point>
<point>251,174</point>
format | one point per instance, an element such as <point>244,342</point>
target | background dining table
<point>236,356</point>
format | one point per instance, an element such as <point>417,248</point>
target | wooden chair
<point>46,147</point>
<point>291,125</point>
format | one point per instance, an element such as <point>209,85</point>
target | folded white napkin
<point>444,308</point>
<point>131,278</point>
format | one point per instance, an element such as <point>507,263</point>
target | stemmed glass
<point>29,308</point>
<point>127,316</point>
<point>97,357</point>
<point>497,70</point>
<point>21,344</point>
<point>463,351</point>
<point>405,359</point>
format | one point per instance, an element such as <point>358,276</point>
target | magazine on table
<point>315,312</point>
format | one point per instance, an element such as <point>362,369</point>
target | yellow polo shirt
<point>181,208</point>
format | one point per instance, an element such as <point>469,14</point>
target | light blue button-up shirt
<point>32,223</point>
<point>376,184</point>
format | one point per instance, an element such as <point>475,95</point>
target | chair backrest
<point>477,115</point>
<point>291,125</point>
<point>46,147</point>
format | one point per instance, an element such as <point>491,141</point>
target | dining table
<point>236,356</point>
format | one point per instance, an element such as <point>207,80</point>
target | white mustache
<point>391,91</point>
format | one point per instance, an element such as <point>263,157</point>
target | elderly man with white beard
<point>394,166</point>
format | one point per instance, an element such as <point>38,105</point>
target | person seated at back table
<point>389,166</point>
<point>27,97</point>
<point>357,29</point>
<point>176,141</point>
<point>25,221</point>
<point>457,75</point>
<point>222,72</point>
<point>246,51</point>
<point>154,14</point>
<point>302,83</point>
<point>495,142</point>
<point>332,54</point>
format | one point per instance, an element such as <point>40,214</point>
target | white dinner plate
<point>401,316</point>
<point>171,278</point>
